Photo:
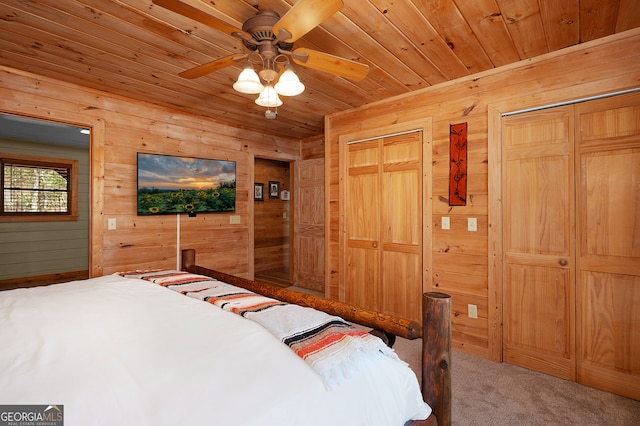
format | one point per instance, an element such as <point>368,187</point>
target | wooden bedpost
<point>188,259</point>
<point>436,354</point>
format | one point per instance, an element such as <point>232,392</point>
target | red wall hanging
<point>458,164</point>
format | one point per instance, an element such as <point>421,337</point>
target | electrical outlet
<point>473,311</point>
<point>111,224</point>
<point>446,223</point>
<point>472,224</point>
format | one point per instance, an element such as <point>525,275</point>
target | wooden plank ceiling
<point>136,49</point>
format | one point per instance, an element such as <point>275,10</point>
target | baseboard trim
<point>40,280</point>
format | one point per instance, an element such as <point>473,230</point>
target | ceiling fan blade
<point>331,64</point>
<point>210,67</point>
<point>200,16</point>
<point>303,17</point>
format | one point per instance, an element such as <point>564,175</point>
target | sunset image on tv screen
<point>172,184</point>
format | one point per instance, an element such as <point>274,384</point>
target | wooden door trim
<point>422,125</point>
<point>494,316</point>
<point>292,225</point>
<point>96,198</point>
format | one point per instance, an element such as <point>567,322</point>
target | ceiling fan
<point>270,39</point>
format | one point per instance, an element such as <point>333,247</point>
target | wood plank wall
<point>122,127</point>
<point>313,147</point>
<point>462,260</point>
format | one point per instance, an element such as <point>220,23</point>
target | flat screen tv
<point>170,184</point>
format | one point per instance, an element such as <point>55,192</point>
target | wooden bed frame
<point>436,333</point>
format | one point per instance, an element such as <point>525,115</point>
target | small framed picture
<point>274,189</point>
<point>258,191</point>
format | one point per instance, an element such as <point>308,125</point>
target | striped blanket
<point>335,349</point>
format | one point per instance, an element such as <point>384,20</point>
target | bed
<point>127,349</point>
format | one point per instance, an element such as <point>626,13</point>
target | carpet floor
<point>496,394</point>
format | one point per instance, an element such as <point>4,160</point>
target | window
<point>38,189</point>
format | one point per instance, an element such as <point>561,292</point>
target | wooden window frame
<point>72,165</point>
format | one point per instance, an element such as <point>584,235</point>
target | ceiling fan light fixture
<point>270,38</point>
<point>248,81</point>
<point>269,98</point>
<point>289,84</point>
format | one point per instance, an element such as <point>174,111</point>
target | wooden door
<point>608,270</point>
<point>383,217</point>
<point>362,217</point>
<point>308,234</point>
<point>539,251</point>
<point>401,222</point>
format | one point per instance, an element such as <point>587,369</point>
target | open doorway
<point>272,222</point>
<point>39,251</point>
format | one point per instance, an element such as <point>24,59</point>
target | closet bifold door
<point>383,217</point>
<point>538,240</point>
<point>608,225</point>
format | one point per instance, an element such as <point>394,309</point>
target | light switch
<point>446,224</point>
<point>111,223</point>
<point>234,219</point>
<point>472,224</point>
<point>473,311</point>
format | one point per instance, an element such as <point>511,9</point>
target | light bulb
<point>248,81</point>
<point>269,98</point>
<point>289,83</point>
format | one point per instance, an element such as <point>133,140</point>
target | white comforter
<point>118,351</point>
